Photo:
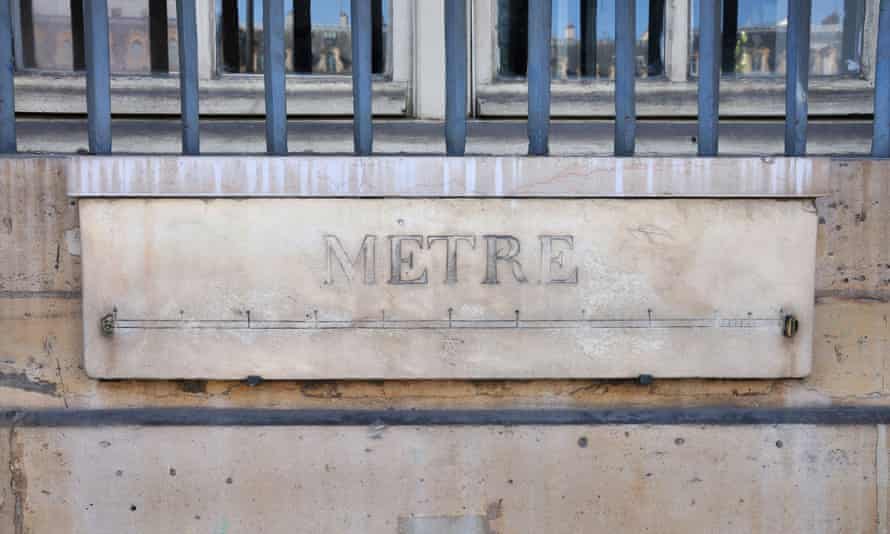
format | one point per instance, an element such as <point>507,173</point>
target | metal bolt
<point>790,326</point>
<point>107,325</point>
<point>254,380</point>
<point>645,380</point>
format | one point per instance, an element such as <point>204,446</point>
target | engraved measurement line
<point>441,324</point>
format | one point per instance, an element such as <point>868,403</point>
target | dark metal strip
<point>539,17</point>
<point>588,38</point>
<point>625,72</point>
<point>709,77</point>
<point>78,61</point>
<point>302,54</point>
<point>273,75</point>
<point>797,76</point>
<point>730,35</point>
<point>362,128</point>
<point>231,36</point>
<point>455,77</point>
<point>95,18</point>
<point>716,416</point>
<point>880,146</point>
<point>29,50</point>
<point>159,54</point>
<point>249,38</point>
<point>187,26</point>
<point>7,85</point>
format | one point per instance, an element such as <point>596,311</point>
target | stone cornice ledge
<point>331,176</point>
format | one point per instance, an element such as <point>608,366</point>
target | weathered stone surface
<point>41,347</point>
<point>518,479</point>
<point>854,376</point>
<point>854,249</point>
<point>11,488</point>
<point>39,238</point>
<point>447,288</point>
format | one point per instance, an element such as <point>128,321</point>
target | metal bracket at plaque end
<point>645,380</point>
<point>253,380</point>
<point>106,324</point>
<point>790,326</point>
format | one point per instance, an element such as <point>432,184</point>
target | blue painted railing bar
<point>273,76</point>
<point>539,17</point>
<point>796,77</point>
<point>625,71</point>
<point>880,145</point>
<point>95,21</point>
<point>187,28</point>
<point>709,77</point>
<point>363,127</point>
<point>455,77</point>
<point>7,87</point>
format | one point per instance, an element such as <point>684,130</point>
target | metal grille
<point>95,16</point>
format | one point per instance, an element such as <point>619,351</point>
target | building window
<point>142,35</point>
<point>317,36</point>
<point>583,38</point>
<point>754,33</point>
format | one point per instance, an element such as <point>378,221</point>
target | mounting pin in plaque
<point>107,324</point>
<point>789,327</point>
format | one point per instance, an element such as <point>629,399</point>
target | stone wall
<point>788,478</point>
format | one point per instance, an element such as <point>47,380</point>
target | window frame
<point>671,95</point>
<point>220,94</point>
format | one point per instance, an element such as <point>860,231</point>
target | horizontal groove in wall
<point>708,416</point>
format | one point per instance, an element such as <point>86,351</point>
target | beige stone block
<point>11,488</point>
<point>853,249</point>
<point>523,288</point>
<point>38,338</point>
<point>850,351</point>
<point>506,479</point>
<point>39,236</point>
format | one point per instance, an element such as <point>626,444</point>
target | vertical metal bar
<point>362,128</point>
<point>77,47</point>
<point>880,145</point>
<point>7,87</point>
<point>273,75</point>
<point>159,55</point>
<point>796,77</point>
<point>625,71</point>
<point>187,28</point>
<point>588,37</point>
<point>539,18</point>
<point>95,18</point>
<point>709,77</point>
<point>455,77</point>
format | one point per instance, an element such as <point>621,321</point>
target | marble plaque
<point>407,288</point>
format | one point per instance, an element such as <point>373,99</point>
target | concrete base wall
<point>470,480</point>
<point>667,479</point>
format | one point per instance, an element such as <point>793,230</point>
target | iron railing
<point>455,20</point>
